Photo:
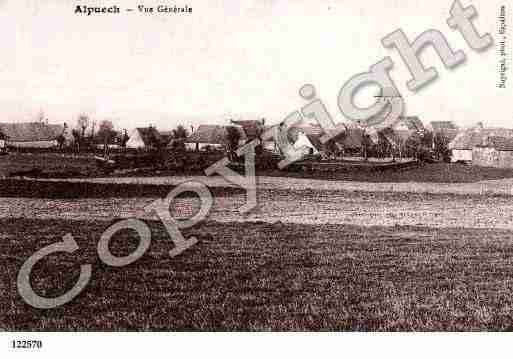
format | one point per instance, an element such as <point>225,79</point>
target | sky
<point>232,59</point>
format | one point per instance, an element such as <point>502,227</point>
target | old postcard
<point>265,165</point>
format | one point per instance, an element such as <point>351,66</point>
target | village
<point>393,220</point>
<point>412,142</point>
<point>256,167</point>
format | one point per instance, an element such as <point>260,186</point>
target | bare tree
<point>233,137</point>
<point>93,128</point>
<point>124,138</point>
<point>41,118</point>
<point>106,133</point>
<point>83,123</point>
<point>61,139</point>
<point>76,138</point>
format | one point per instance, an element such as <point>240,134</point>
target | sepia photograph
<point>255,166</point>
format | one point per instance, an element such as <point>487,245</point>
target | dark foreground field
<point>260,276</point>
<point>22,188</point>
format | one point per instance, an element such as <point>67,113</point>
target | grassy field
<point>263,276</point>
<point>19,188</point>
<point>65,165</point>
<point>419,272</point>
<point>48,162</point>
<point>429,172</point>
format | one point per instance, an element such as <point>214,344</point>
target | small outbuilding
<point>494,151</point>
<point>462,146</point>
<point>144,138</point>
<point>212,137</point>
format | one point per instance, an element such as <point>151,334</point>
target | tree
<point>427,139</point>
<point>41,117</point>
<point>93,128</point>
<point>124,138</point>
<point>413,146</point>
<point>441,147</point>
<point>233,137</point>
<point>106,133</point>
<point>77,138</point>
<point>153,140</point>
<point>61,140</point>
<point>366,144</point>
<point>180,133</point>
<point>83,123</point>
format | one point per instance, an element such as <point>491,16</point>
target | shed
<point>463,144</point>
<point>212,136</point>
<point>143,138</point>
<point>494,151</point>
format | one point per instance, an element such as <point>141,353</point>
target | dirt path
<point>292,206</point>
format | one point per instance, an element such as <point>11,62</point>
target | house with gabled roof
<point>31,134</point>
<point>252,128</point>
<point>351,138</point>
<point>212,136</point>
<point>144,138</point>
<point>462,146</point>
<point>446,129</point>
<point>494,151</point>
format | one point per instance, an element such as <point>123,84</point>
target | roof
<point>352,137</point>
<point>497,142</point>
<point>311,130</point>
<point>443,125</point>
<point>413,123</point>
<point>468,139</point>
<point>31,131</point>
<point>166,133</point>
<point>396,137</point>
<point>404,135</point>
<point>313,133</point>
<point>148,135</point>
<point>315,141</point>
<point>252,128</point>
<point>449,134</point>
<point>213,134</point>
